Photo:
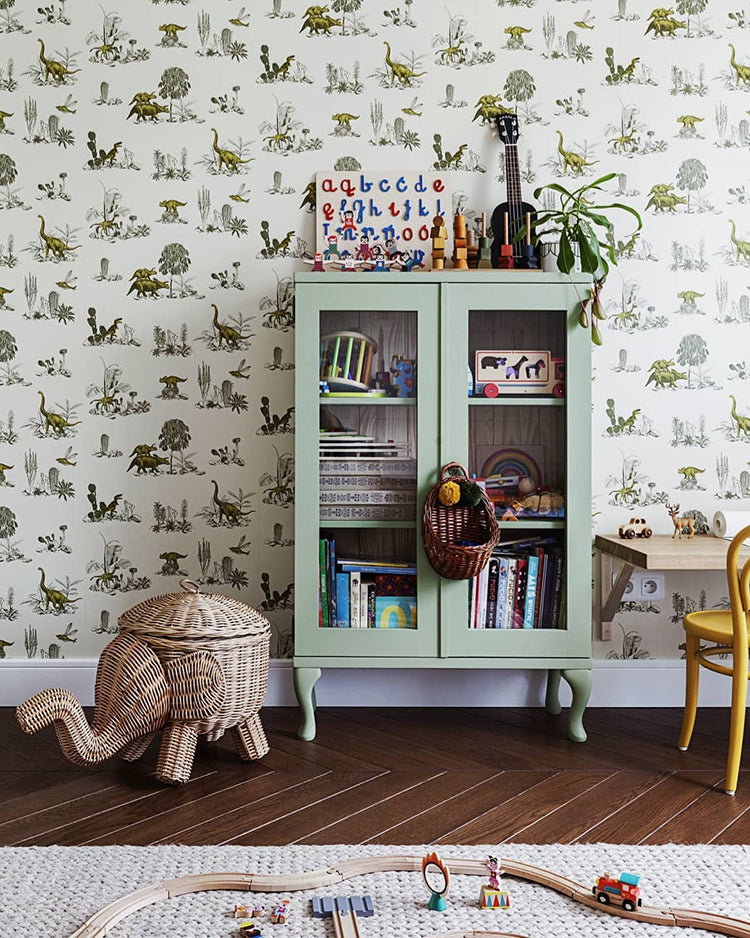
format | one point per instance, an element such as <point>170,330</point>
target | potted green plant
<point>575,222</point>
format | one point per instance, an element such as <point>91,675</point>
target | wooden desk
<point>660,552</point>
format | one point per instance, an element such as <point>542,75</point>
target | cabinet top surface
<point>660,552</point>
<point>470,277</point>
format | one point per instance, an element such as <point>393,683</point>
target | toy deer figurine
<point>680,524</point>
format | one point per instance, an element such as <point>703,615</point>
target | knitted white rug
<point>47,892</point>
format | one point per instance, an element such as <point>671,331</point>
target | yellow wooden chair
<point>721,632</point>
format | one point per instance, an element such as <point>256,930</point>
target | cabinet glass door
<point>366,417</point>
<point>516,413</point>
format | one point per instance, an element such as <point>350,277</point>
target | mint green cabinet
<point>349,326</point>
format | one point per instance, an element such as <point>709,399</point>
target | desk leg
<point>579,680</point>
<point>614,594</point>
<point>304,686</point>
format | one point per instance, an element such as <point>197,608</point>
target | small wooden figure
<point>460,252</point>
<point>472,248</point>
<point>492,896</point>
<point>485,251</point>
<point>250,930</point>
<point>241,911</point>
<point>437,878</point>
<point>333,248</point>
<point>439,235</point>
<point>505,258</point>
<point>529,260</point>
<point>317,267</point>
<point>280,912</point>
<point>404,375</point>
<point>257,909</point>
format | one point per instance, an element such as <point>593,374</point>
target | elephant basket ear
<point>197,686</point>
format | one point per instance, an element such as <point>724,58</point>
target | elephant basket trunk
<point>187,664</point>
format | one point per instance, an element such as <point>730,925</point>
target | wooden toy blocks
<point>460,250</point>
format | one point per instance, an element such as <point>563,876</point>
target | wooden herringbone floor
<point>394,776</point>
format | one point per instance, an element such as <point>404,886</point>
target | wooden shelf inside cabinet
<point>366,524</point>
<point>368,401</point>
<point>439,321</point>
<point>525,400</point>
<point>535,524</point>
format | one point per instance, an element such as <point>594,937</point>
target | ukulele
<point>509,217</point>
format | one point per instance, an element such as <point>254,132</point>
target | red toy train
<point>624,891</point>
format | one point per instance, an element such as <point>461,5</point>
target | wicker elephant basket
<point>186,664</point>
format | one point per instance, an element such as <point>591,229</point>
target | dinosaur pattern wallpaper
<point>157,161</point>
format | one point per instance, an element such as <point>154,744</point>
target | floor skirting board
<point>650,683</point>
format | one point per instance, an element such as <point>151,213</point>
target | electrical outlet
<point>652,585</point>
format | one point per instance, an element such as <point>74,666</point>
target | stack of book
<point>364,479</point>
<point>363,594</point>
<point>522,587</point>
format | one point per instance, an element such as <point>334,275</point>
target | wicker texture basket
<point>187,664</point>
<point>458,540</point>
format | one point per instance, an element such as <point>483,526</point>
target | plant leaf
<point>589,248</point>
<point>565,258</point>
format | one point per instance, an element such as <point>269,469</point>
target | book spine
<point>371,605</point>
<point>472,591</point>
<point>531,589</point>
<point>542,557</point>
<point>354,610</point>
<point>332,583</point>
<point>557,591</point>
<point>374,568</point>
<point>492,577</point>
<point>520,595</point>
<point>342,600</point>
<point>363,586</point>
<point>324,581</point>
<point>482,604</point>
<point>512,577</point>
<point>502,592</point>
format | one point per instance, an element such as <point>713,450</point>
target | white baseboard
<point>615,684</point>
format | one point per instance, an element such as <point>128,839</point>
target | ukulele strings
<point>514,196</point>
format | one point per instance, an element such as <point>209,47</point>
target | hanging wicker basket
<point>458,540</point>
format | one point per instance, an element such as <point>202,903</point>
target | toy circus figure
<point>492,896</point>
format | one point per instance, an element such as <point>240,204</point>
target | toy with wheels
<point>636,527</point>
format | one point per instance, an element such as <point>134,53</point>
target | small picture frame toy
<point>346,360</point>
<point>437,879</point>
<point>527,371</point>
<point>404,376</point>
<point>492,896</point>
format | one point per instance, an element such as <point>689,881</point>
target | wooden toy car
<point>532,371</point>
<point>625,891</point>
<point>636,527</point>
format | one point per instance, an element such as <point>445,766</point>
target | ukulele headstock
<point>507,128</point>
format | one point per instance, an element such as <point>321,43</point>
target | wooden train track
<point>103,921</point>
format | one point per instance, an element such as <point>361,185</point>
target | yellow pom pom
<point>449,493</point>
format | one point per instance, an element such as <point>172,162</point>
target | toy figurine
<point>439,235</point>
<point>364,251</point>
<point>240,911</point>
<point>250,930</point>
<point>404,370</point>
<point>333,248</point>
<point>492,896</point>
<point>280,912</point>
<point>347,221</point>
<point>317,266</point>
<point>436,876</point>
<point>460,251</point>
<point>258,909</point>
<point>485,251</point>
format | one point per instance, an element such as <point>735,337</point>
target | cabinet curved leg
<point>552,700</point>
<point>305,680</point>
<point>579,680</point>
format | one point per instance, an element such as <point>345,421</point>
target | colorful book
<point>520,593</point>
<point>557,591</point>
<point>364,566</point>
<point>395,612</point>
<point>342,601</point>
<point>332,583</point>
<point>502,592</point>
<point>323,558</point>
<point>492,579</point>
<point>355,578</point>
<point>508,608</point>
<point>395,584</point>
<point>532,568</point>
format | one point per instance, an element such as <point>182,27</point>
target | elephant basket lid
<point>193,615</point>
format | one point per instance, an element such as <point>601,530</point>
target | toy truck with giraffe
<point>528,371</point>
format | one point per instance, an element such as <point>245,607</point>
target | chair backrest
<point>738,581</point>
